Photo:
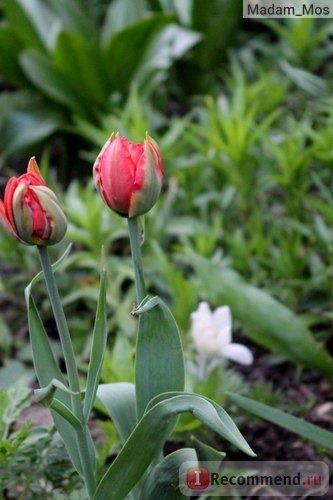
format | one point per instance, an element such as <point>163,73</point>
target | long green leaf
<point>46,369</point>
<point>163,481</point>
<point>22,126</point>
<point>119,399</point>
<point>282,419</point>
<point>121,49</point>
<point>159,363</point>
<point>74,52</point>
<point>147,440</point>
<point>97,349</point>
<point>266,320</point>
<point>76,16</point>
<point>66,413</point>
<point>227,428</point>
<point>10,48</point>
<point>22,23</point>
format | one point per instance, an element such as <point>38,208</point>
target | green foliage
<point>32,459</point>
<point>49,51</point>
<point>299,426</point>
<point>248,188</point>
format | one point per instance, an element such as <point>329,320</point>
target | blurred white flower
<point>212,334</point>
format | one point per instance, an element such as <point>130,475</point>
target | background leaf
<point>265,320</point>
<point>293,424</point>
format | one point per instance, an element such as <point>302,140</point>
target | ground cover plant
<point>244,220</point>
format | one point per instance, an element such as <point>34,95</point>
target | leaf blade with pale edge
<point>159,363</point>
<point>148,438</point>
<point>119,399</point>
<point>97,349</point>
<point>282,419</point>
<point>46,369</point>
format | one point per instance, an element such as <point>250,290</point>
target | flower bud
<point>31,212</point>
<point>129,176</point>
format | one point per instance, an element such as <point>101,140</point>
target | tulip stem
<point>72,373</point>
<point>133,228</point>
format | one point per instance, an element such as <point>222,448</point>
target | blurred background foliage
<point>243,113</point>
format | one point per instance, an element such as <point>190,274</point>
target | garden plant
<point>163,300</point>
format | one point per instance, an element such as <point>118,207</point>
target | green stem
<point>137,259</point>
<point>73,377</point>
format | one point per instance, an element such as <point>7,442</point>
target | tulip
<point>129,176</point>
<point>31,212</point>
<point>212,334</point>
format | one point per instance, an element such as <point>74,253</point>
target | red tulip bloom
<point>31,212</point>
<point>129,176</point>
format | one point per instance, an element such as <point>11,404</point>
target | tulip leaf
<point>293,424</point>
<point>163,480</point>
<point>45,395</point>
<point>66,413</point>
<point>47,369</point>
<point>119,399</point>
<point>228,429</point>
<point>97,349</point>
<point>149,435</point>
<point>159,363</point>
<point>265,320</point>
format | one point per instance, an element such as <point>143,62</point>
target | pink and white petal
<point>239,353</point>
<point>4,222</point>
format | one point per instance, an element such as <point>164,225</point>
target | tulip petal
<point>239,353</point>
<point>8,200</point>
<point>5,222</point>
<point>55,219</point>
<point>33,167</point>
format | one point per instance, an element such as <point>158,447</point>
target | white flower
<point>211,333</point>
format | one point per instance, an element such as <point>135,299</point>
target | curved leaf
<point>147,440</point>
<point>228,429</point>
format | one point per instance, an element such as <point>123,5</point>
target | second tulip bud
<point>128,175</point>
